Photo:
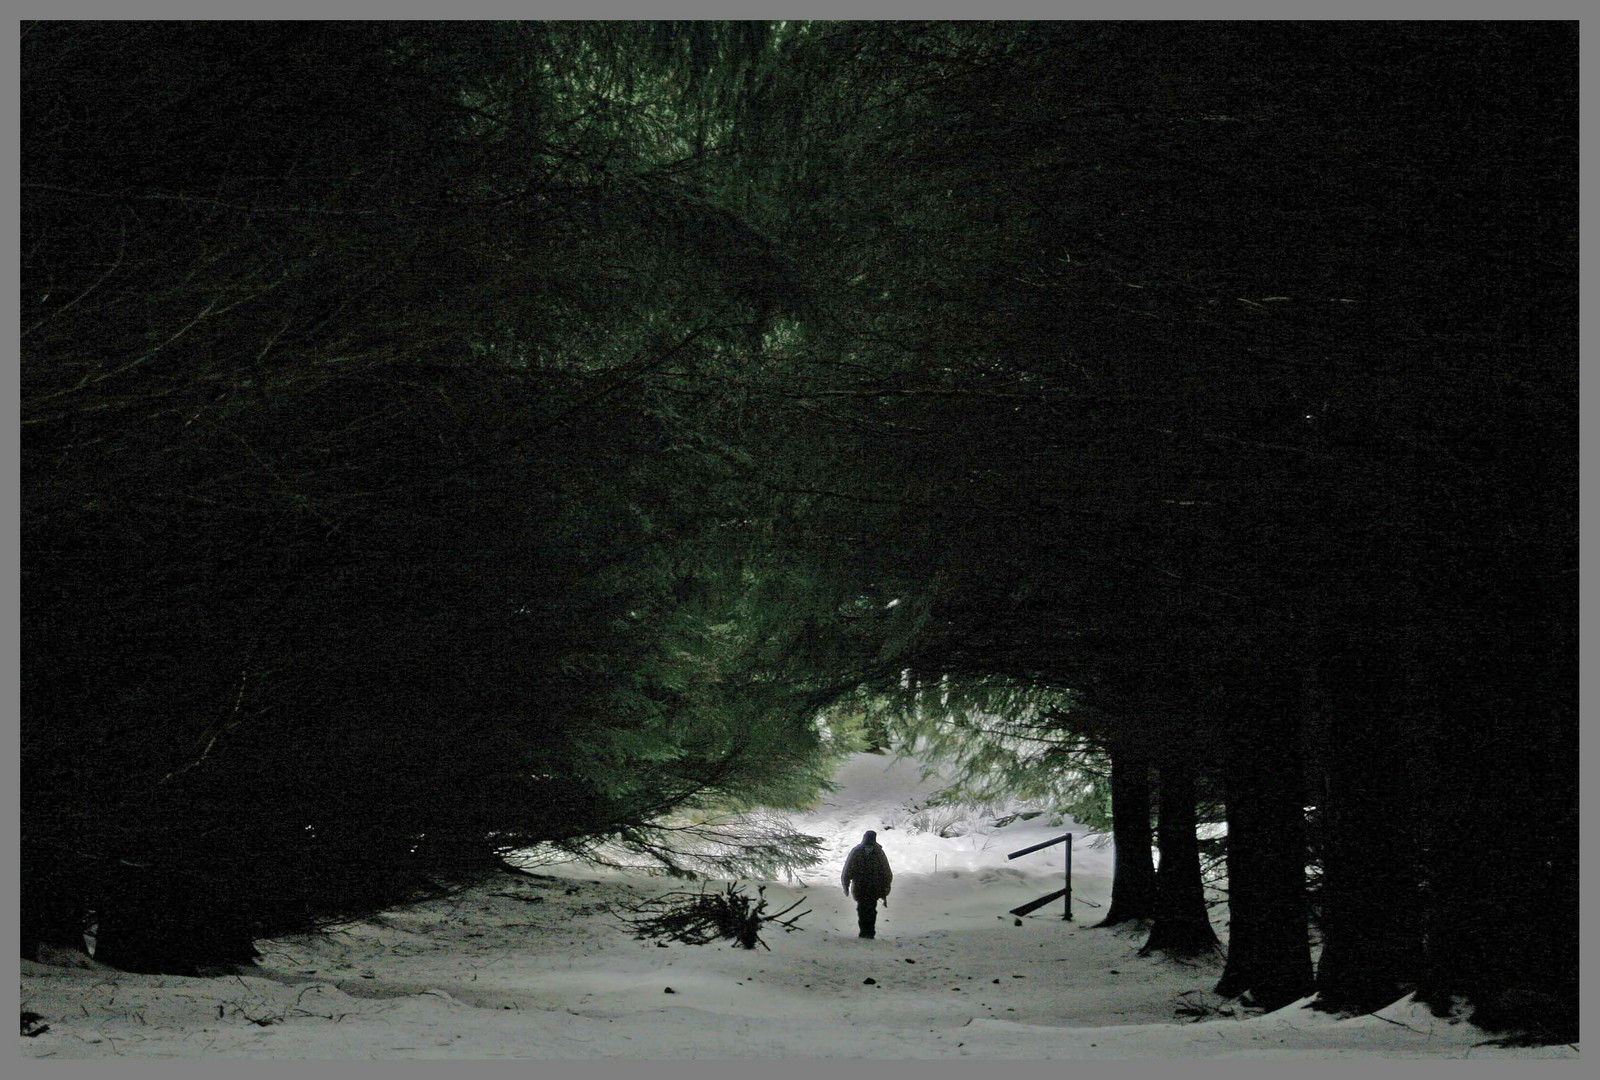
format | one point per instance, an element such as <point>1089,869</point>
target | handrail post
<point>1067,911</point>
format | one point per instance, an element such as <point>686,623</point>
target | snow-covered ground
<point>535,968</point>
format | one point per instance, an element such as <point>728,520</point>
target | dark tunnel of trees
<point>444,439</point>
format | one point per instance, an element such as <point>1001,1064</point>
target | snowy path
<point>533,967</point>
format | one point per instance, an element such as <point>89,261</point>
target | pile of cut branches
<point>702,917</point>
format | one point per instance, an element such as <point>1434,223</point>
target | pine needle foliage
<point>1003,741</point>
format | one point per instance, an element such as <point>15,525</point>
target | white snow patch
<point>525,968</point>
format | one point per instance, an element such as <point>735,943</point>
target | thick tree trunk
<point>1133,879</point>
<point>1181,926</point>
<point>50,902</point>
<point>158,921</point>
<point>1558,915</point>
<point>1269,947</point>
<point>1380,779</point>
<point>1506,939</point>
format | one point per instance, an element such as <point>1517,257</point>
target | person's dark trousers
<point>867,915</point>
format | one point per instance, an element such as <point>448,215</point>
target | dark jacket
<point>867,869</point>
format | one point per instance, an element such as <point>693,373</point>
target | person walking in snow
<point>867,869</point>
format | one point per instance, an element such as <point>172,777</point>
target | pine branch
<point>701,918</point>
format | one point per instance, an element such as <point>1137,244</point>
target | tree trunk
<point>1269,948</point>
<point>1379,783</point>
<point>1133,879</point>
<point>1182,926</point>
<point>158,921</point>
<point>50,902</point>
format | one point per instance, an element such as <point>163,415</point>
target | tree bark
<point>1379,781</point>
<point>1182,926</point>
<point>1269,947</point>
<point>1133,879</point>
<point>50,902</point>
<point>158,921</point>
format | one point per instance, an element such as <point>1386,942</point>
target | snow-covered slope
<point>535,968</point>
